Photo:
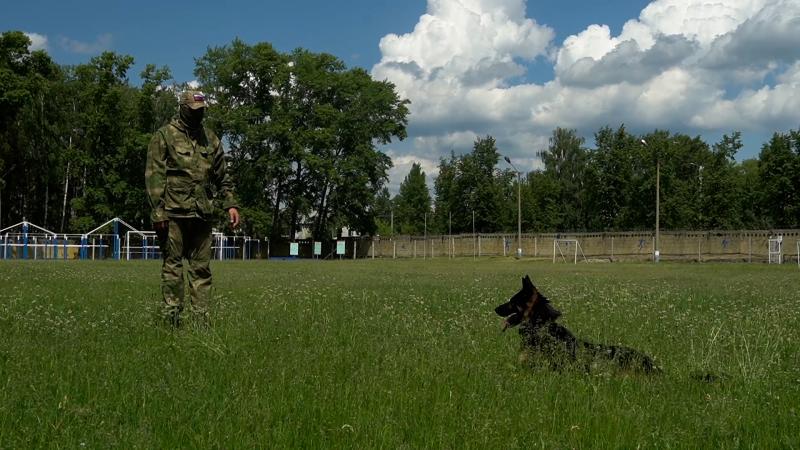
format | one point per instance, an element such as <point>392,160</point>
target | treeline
<point>73,139</point>
<point>303,134</point>
<point>611,187</point>
<point>300,128</point>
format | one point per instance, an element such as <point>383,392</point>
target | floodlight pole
<point>658,203</point>
<point>425,244</point>
<point>657,252</point>
<point>519,207</point>
<point>700,191</point>
<point>450,244</point>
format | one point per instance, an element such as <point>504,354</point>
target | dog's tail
<point>624,357</point>
<point>706,376</point>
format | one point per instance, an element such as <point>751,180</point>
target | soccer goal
<point>775,250</point>
<point>567,248</point>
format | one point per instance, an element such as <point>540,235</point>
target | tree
<point>471,184</point>
<point>384,213</point>
<point>748,185</point>
<point>565,164</point>
<point>303,133</point>
<point>477,189</point>
<point>413,202</point>
<point>721,197</point>
<point>27,130</point>
<point>445,194</point>
<point>778,175</point>
<point>110,152</point>
<point>610,174</point>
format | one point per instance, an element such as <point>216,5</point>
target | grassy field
<point>395,354</point>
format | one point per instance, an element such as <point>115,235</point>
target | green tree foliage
<point>613,186</point>
<point>74,137</point>
<point>610,179</point>
<point>471,186</point>
<point>412,205</point>
<point>110,165</point>
<point>445,195</point>
<point>565,167</point>
<point>384,213</point>
<point>303,132</point>
<point>779,176</point>
<point>28,120</point>
<point>720,191</point>
<point>747,185</point>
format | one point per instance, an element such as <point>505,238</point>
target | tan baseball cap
<point>193,99</point>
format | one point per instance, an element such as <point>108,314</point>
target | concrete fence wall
<point>749,245</point>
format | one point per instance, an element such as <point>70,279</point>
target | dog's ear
<point>527,285</point>
<point>529,282</point>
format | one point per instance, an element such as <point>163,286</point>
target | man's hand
<point>233,213</point>
<point>162,226</point>
<point>162,231</point>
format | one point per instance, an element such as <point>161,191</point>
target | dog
<point>543,337</point>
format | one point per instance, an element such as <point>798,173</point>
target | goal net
<point>567,248</point>
<point>775,250</point>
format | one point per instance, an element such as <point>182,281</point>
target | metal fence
<point>744,245</point>
<point>114,239</point>
<point>33,242</point>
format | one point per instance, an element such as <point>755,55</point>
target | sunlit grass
<point>395,354</point>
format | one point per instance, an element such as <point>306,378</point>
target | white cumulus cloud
<point>693,66</point>
<point>457,42</point>
<point>38,41</point>
<point>101,43</point>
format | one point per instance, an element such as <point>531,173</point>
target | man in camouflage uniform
<point>185,169</point>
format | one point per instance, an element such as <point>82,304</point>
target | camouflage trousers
<point>188,239</point>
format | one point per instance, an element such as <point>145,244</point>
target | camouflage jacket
<point>183,175</point>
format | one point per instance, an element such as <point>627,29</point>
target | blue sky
<point>514,69</point>
<point>174,33</point>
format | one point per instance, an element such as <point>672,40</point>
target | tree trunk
<point>319,221</point>
<point>46,201</point>
<point>25,191</point>
<point>294,211</point>
<point>66,189</point>
<point>45,158</point>
<point>276,209</point>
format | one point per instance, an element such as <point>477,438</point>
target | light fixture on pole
<point>519,206</point>
<point>656,252</point>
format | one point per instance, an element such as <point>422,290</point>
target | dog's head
<point>526,305</point>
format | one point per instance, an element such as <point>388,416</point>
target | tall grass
<point>395,354</point>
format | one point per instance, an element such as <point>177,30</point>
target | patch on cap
<point>193,99</point>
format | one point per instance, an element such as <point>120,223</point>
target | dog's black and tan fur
<point>543,337</point>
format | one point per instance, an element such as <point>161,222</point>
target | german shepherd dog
<point>542,337</point>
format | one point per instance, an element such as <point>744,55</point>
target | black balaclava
<point>192,118</point>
